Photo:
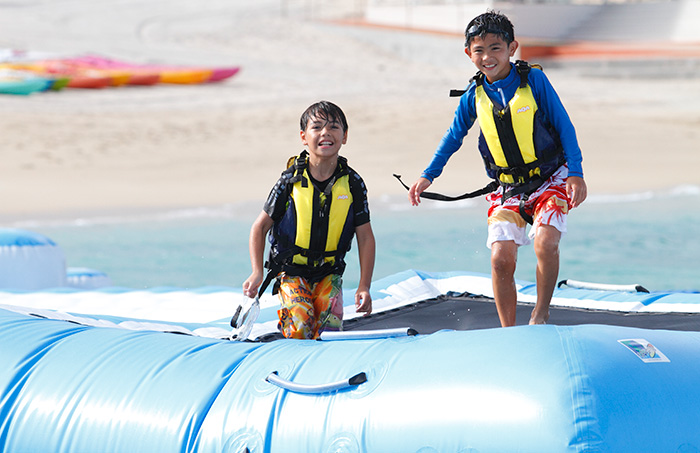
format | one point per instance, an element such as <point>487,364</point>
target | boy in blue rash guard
<point>529,147</point>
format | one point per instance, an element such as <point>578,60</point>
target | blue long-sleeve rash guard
<point>501,92</point>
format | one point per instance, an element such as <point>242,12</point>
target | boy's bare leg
<point>504,255</point>
<point>547,252</point>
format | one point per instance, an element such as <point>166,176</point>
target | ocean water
<point>646,238</point>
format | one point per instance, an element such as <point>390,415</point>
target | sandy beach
<point>77,152</point>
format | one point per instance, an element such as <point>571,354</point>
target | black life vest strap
<point>525,189</point>
<point>281,263</point>
<point>493,185</point>
<point>516,172</point>
<point>523,68</point>
<point>314,274</point>
<point>521,209</point>
<point>300,163</point>
<point>315,252</point>
<point>273,269</point>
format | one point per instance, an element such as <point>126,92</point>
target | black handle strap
<point>493,185</point>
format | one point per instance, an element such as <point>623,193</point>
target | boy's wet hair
<point>326,111</point>
<point>489,22</point>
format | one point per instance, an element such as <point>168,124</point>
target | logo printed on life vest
<point>343,197</point>
<point>523,109</point>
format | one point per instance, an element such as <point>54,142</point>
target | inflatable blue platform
<point>79,376</point>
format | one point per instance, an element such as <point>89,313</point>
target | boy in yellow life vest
<point>529,148</point>
<point>313,212</point>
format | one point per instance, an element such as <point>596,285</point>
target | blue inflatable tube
<point>72,388</point>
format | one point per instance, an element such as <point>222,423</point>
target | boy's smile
<point>491,55</point>
<point>323,137</point>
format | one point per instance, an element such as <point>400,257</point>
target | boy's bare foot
<point>536,318</point>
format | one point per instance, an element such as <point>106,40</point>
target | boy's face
<point>323,137</point>
<point>491,55</point>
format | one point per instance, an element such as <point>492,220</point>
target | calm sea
<point>647,238</point>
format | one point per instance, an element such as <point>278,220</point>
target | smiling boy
<point>529,147</point>
<point>317,206</point>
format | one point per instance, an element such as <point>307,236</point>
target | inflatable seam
<point>587,437</point>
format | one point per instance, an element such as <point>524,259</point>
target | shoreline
<point>246,211</point>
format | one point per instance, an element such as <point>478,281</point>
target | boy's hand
<point>251,285</point>
<point>576,189</point>
<point>416,189</point>
<point>363,302</point>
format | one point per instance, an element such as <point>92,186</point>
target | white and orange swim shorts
<point>548,205</point>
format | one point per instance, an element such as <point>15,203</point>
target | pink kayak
<point>166,73</point>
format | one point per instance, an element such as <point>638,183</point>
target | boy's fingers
<point>363,303</point>
<point>577,195</point>
<point>414,193</point>
<point>250,288</point>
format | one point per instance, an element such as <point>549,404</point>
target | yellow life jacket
<point>519,116</point>
<point>317,228</point>
<point>517,147</point>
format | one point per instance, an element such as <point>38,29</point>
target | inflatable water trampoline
<point>115,370</point>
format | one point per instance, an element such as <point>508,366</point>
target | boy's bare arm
<point>577,190</point>
<point>256,246</point>
<point>366,250</point>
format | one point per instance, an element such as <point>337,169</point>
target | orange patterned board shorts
<point>308,309</point>
<point>548,205</point>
